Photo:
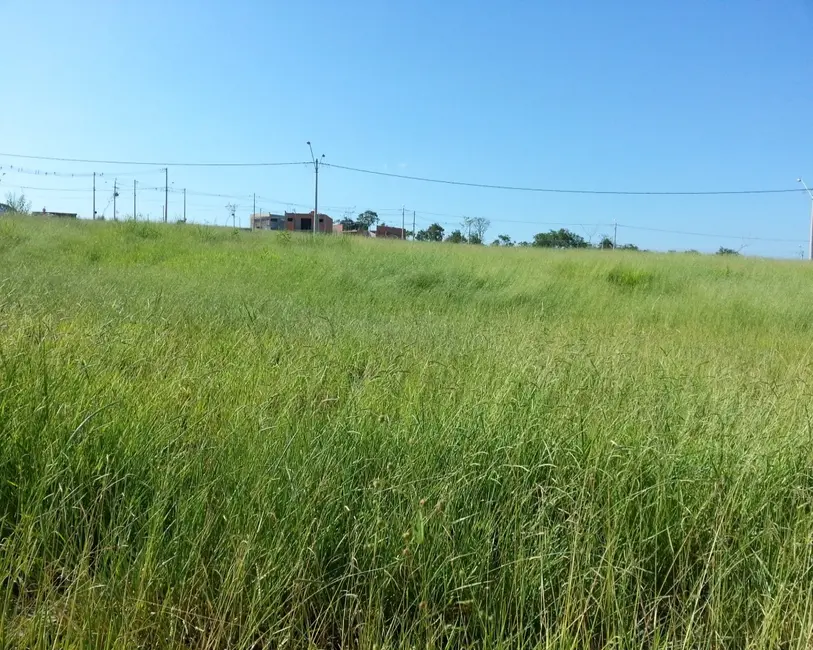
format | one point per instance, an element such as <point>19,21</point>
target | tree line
<point>561,238</point>
<point>475,227</point>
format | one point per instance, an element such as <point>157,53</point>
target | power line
<point>421,215</point>
<point>561,224</point>
<point>154,163</point>
<point>620,225</point>
<point>706,234</point>
<point>553,190</point>
<point>498,220</point>
<point>57,174</point>
<point>49,189</point>
<point>423,179</point>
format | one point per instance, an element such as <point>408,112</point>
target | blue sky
<point>642,95</point>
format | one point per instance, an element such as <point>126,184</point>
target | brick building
<point>389,232</point>
<point>340,229</point>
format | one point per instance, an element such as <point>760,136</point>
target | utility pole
<point>115,194</point>
<point>255,203</point>
<point>413,225</point>
<point>810,193</point>
<point>615,235</point>
<point>94,196</point>
<point>135,184</point>
<point>316,197</point>
<point>166,194</point>
<point>315,161</point>
<point>184,205</point>
<point>403,226</point>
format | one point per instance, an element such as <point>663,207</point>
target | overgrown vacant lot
<point>213,439</point>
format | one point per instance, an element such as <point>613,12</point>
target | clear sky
<point>643,95</point>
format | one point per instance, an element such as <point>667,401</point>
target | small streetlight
<point>315,162</point>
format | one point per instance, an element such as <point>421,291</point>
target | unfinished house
<point>304,221</point>
<point>267,221</point>
<point>389,232</point>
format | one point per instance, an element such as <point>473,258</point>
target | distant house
<point>303,221</point>
<point>389,232</point>
<point>60,215</point>
<point>4,207</point>
<point>340,229</point>
<point>267,221</point>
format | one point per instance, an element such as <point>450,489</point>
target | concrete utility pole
<point>403,225</point>
<point>615,235</point>
<point>810,252</point>
<point>254,196</point>
<point>94,196</point>
<point>166,194</point>
<point>316,162</point>
<point>184,205</point>
<point>413,225</point>
<point>135,184</point>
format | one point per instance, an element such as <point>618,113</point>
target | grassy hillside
<point>219,439</point>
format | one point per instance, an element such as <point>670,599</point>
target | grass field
<point>221,439</point>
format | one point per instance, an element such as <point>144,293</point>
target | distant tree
<point>476,240</point>
<point>456,237</point>
<point>505,240</point>
<point>232,208</point>
<point>478,227</point>
<point>561,238</point>
<point>347,224</point>
<point>18,203</point>
<point>606,243</point>
<point>628,247</point>
<point>524,244</point>
<point>726,251</point>
<point>692,251</point>
<point>432,233</point>
<point>367,219</point>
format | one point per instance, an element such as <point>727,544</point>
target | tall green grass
<point>220,439</point>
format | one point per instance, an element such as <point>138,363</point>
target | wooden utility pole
<point>135,184</point>
<point>94,196</point>
<point>413,225</point>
